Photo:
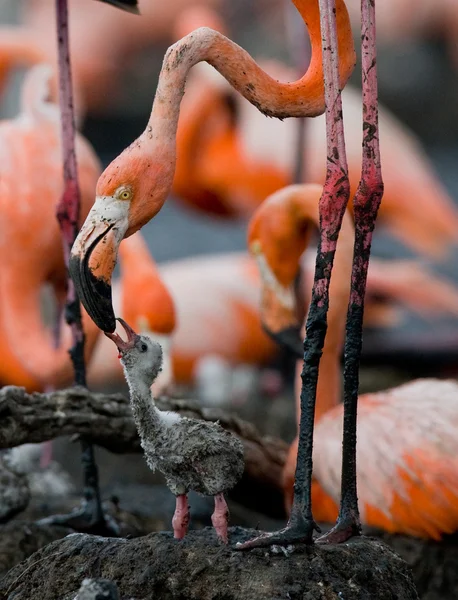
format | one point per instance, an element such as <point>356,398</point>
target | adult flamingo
<point>406,492</point>
<point>135,185</point>
<point>332,206</point>
<point>126,201</point>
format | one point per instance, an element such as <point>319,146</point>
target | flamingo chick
<point>192,454</point>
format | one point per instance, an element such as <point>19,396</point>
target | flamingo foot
<point>299,531</point>
<point>87,519</point>
<point>220,517</point>
<point>180,521</point>
<point>90,517</point>
<point>346,527</point>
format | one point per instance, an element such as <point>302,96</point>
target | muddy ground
<point>200,568</point>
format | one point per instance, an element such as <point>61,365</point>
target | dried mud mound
<point>199,568</point>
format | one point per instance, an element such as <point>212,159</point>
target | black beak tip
<point>127,5</point>
<point>289,339</point>
<point>94,294</point>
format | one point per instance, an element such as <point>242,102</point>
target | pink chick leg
<point>180,519</point>
<point>220,517</point>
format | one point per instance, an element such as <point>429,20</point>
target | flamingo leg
<point>332,206</point>
<point>90,518</point>
<point>220,517</point>
<point>180,521</point>
<point>366,204</point>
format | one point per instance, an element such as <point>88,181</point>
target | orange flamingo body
<point>30,241</point>
<point>407,479</point>
<point>103,41</point>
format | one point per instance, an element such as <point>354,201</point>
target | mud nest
<point>200,568</point>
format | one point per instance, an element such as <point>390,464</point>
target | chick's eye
<point>143,348</point>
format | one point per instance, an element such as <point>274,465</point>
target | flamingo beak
<point>93,259</point>
<point>281,317</point>
<point>289,338</point>
<point>123,346</point>
<point>127,5</point>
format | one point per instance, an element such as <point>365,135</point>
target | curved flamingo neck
<point>301,98</point>
<point>19,46</point>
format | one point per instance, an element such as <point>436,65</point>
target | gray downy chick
<point>192,454</point>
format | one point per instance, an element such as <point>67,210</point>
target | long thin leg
<point>333,203</point>
<point>220,517</point>
<point>366,204</point>
<point>180,520</point>
<point>90,517</point>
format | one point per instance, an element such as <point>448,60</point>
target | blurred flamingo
<point>407,481</point>
<point>230,158</point>
<point>208,306</point>
<point>402,21</point>
<point>180,305</point>
<point>18,48</point>
<point>30,240</point>
<point>103,41</point>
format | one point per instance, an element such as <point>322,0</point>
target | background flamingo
<point>230,157</point>
<point>30,239</point>
<point>401,476</point>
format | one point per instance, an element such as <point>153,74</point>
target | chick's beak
<point>93,259</point>
<point>122,345</point>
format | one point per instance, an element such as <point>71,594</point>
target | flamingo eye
<point>143,348</point>
<point>124,193</point>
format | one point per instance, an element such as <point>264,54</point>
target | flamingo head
<point>129,193</point>
<point>277,243</point>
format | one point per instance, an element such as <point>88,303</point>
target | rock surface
<point>199,568</point>
<point>18,540</point>
<point>14,490</point>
